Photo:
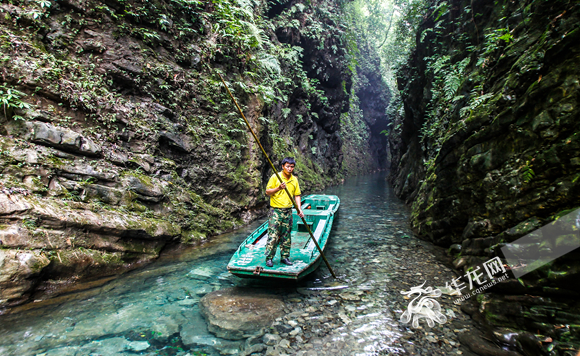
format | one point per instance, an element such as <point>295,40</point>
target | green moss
<point>145,179</point>
<point>562,213</point>
<point>192,237</point>
<point>39,265</point>
<point>55,161</point>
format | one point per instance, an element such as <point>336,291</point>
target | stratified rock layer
<point>118,138</point>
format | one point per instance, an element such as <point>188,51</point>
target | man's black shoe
<point>269,263</point>
<point>286,261</point>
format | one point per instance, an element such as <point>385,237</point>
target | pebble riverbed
<point>154,310</point>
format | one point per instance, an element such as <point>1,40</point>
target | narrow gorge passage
<point>155,310</point>
<point>127,178</point>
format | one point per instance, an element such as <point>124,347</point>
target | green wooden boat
<point>250,258</point>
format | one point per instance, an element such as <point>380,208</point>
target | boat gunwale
<point>315,255</point>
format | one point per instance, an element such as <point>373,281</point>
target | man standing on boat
<point>280,223</point>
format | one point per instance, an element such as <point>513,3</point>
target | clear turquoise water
<point>153,310</point>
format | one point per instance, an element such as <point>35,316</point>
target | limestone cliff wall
<point>118,137</point>
<point>488,147</point>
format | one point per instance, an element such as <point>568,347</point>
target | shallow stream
<point>154,310</point>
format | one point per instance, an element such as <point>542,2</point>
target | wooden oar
<point>278,176</point>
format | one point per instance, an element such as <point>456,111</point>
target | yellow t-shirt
<point>280,199</point>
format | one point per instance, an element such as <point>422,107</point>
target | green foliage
<point>30,224</point>
<point>441,10</point>
<point>494,40</point>
<point>447,80</point>
<point>11,99</point>
<point>527,172</point>
<point>285,112</point>
<point>235,25</point>
<point>476,100</point>
<point>390,27</point>
<point>269,63</point>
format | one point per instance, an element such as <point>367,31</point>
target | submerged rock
<point>234,312</point>
<point>200,273</point>
<point>271,339</point>
<point>138,346</point>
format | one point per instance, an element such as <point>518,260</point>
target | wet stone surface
<point>156,310</point>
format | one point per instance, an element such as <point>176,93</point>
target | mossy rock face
<point>527,154</point>
<point>124,156</point>
<point>107,195</point>
<point>144,185</point>
<point>82,263</point>
<point>503,148</point>
<point>567,242</point>
<point>17,272</point>
<point>192,237</point>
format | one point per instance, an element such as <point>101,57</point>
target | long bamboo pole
<point>278,176</point>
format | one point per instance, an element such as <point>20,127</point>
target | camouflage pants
<point>279,228</point>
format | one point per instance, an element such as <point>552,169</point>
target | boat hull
<point>249,261</point>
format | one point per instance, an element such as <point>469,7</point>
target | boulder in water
<point>233,313</point>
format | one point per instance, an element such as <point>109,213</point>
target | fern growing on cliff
<point>527,172</point>
<point>255,34</point>
<point>447,81</point>
<point>475,102</point>
<point>269,63</point>
<point>494,40</point>
<point>448,77</point>
<point>245,6</point>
